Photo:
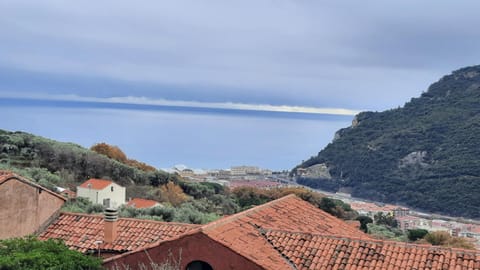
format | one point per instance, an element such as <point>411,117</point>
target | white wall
<point>117,196</point>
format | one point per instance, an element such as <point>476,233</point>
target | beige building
<point>100,191</point>
<point>186,173</point>
<point>25,207</point>
<point>244,170</point>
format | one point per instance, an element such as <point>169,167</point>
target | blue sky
<point>212,84</point>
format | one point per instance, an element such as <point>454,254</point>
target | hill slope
<point>55,163</point>
<point>425,154</point>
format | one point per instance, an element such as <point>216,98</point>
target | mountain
<point>425,154</point>
<point>53,163</point>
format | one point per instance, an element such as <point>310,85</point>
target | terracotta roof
<point>97,184</point>
<point>311,251</point>
<point>80,231</point>
<point>290,233</point>
<point>8,175</point>
<point>242,232</point>
<point>142,203</point>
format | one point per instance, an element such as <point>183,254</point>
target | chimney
<point>110,222</point>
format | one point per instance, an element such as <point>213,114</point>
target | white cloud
<point>185,104</point>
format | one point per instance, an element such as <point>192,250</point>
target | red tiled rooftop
<point>290,233</point>
<point>97,184</point>
<point>81,231</point>
<point>315,251</point>
<point>242,232</point>
<point>141,203</point>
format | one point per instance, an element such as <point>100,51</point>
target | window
<point>106,203</point>
<point>199,265</point>
<point>111,188</point>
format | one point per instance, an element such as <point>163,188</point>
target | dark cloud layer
<point>357,55</point>
<point>341,53</point>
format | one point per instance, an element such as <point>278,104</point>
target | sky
<point>214,84</point>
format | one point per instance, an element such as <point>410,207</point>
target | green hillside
<point>425,155</point>
<point>66,164</point>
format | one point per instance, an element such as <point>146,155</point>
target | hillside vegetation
<point>52,163</point>
<point>425,154</point>
<point>66,164</point>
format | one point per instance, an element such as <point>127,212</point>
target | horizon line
<point>149,103</point>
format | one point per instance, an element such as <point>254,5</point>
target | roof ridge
<point>8,175</point>
<point>263,232</point>
<point>246,255</point>
<point>212,225</point>
<point>373,240</point>
<point>99,215</point>
<point>81,214</point>
<point>99,179</point>
<point>154,244</point>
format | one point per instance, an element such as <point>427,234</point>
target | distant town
<point>254,176</point>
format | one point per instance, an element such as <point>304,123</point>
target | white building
<point>100,191</point>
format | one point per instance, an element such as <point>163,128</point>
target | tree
<point>415,234</point>
<point>386,232</point>
<point>110,151</point>
<point>31,253</point>
<point>364,220</point>
<point>116,153</point>
<point>173,194</point>
<point>328,205</point>
<point>383,219</point>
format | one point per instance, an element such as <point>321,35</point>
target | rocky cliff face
<point>425,154</point>
<point>318,171</point>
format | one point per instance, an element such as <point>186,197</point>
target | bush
<point>31,254</point>
<point>442,238</point>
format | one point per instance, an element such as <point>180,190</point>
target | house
<point>406,223</point>
<point>142,203</point>
<point>101,191</point>
<point>84,232</point>
<point>25,207</point>
<point>371,209</point>
<point>186,173</point>
<point>289,233</point>
<point>237,241</point>
<point>110,236</point>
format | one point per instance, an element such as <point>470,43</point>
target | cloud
<point>132,100</point>
<point>369,54</point>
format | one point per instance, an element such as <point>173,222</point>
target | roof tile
<point>366,253</point>
<point>288,213</point>
<point>81,231</point>
<point>97,184</point>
